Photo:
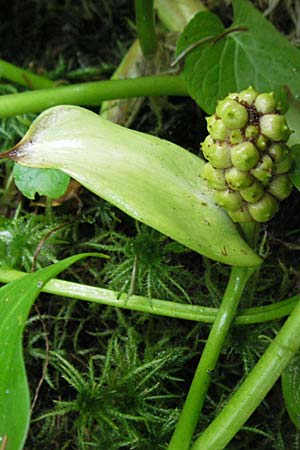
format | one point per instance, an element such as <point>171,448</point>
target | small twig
<point>47,347</point>
<point>133,276</point>
<point>4,442</point>
<point>42,242</point>
<point>46,362</point>
<point>190,48</point>
<point>231,30</point>
<point>213,40</point>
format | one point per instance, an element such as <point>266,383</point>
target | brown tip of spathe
<point>13,153</point>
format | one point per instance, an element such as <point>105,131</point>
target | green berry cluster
<point>249,159</point>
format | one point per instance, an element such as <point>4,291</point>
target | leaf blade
<point>253,53</point>
<point>50,182</point>
<point>152,180</point>
<point>16,299</point>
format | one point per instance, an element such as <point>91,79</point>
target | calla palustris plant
<point>152,180</point>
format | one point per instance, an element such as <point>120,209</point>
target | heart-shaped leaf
<point>251,52</point>
<point>50,182</point>
<point>152,180</point>
<point>16,299</point>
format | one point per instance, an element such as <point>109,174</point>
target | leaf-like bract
<point>152,180</point>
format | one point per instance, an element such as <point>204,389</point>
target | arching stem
<point>255,387</point>
<point>144,16</point>
<point>190,414</point>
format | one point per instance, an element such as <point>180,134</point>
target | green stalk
<point>144,16</point>
<point>23,77</point>
<point>91,94</point>
<point>123,111</point>
<point>159,307</point>
<point>262,314</point>
<point>255,387</point>
<point>189,417</point>
<point>176,15</point>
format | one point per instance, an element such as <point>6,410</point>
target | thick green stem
<point>156,306</point>
<point>23,77</point>
<point>189,417</point>
<point>91,94</point>
<point>144,16</point>
<point>255,387</point>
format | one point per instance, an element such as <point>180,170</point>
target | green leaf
<point>152,180</point>
<point>50,182</point>
<point>292,116</point>
<point>290,383</point>
<point>202,63</point>
<point>295,173</point>
<point>253,52</point>
<point>16,299</point>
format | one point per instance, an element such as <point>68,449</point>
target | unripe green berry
<point>251,132</point>
<point>215,177</point>
<point>207,146</point>
<point>244,156</point>
<point>240,215</point>
<point>237,179</point>
<point>278,152</point>
<point>274,126</point>
<point>264,209</point>
<point>220,156</point>
<point>210,121</point>
<point>263,170</point>
<point>262,143</point>
<point>253,193</point>
<point>232,113</point>
<point>247,95</point>
<point>233,95</point>
<point>236,136</point>
<point>230,200</point>
<point>280,187</point>
<point>217,128</point>
<point>222,105</point>
<point>265,103</point>
<point>284,165</point>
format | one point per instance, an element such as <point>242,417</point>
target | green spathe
<point>152,180</point>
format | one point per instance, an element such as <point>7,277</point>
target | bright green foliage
<point>29,181</point>
<point>121,396</point>
<point>152,180</point>
<point>16,299</point>
<point>249,178</point>
<point>252,49</point>
<point>141,264</point>
<point>77,330</point>
<point>50,182</point>
<point>21,236</point>
<point>13,128</point>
